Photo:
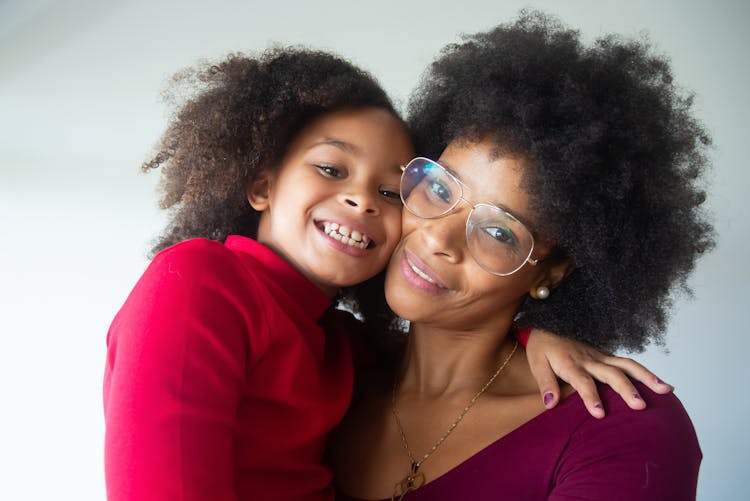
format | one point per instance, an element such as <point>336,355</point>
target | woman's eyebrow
<point>447,168</point>
<point>522,219</point>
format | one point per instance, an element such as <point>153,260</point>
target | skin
<point>461,292</point>
<point>342,168</point>
<point>460,321</point>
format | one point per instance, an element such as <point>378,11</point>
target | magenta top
<point>565,454</point>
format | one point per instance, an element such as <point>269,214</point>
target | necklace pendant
<point>411,482</point>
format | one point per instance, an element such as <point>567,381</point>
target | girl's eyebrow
<point>397,169</point>
<point>337,143</point>
<point>348,148</point>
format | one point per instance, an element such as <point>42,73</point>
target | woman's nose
<point>445,236</point>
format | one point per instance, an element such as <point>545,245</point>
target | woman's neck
<point>439,363</point>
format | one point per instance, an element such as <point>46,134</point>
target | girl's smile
<point>331,207</point>
<point>347,235</point>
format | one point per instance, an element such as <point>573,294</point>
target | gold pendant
<point>411,482</point>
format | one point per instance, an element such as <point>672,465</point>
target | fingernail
<point>548,397</point>
<point>636,396</point>
<point>658,380</point>
<point>598,405</point>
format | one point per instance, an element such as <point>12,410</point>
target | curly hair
<point>236,117</point>
<point>615,163</point>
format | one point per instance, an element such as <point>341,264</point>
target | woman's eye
<point>501,234</point>
<point>329,171</point>
<point>441,191</point>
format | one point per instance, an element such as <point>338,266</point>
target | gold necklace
<point>415,478</point>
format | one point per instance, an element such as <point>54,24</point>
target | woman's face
<point>433,277</point>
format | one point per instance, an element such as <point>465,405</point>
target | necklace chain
<point>415,479</point>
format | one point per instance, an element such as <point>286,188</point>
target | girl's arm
<point>174,375</point>
<point>578,364</point>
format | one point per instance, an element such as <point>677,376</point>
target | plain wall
<point>79,111</point>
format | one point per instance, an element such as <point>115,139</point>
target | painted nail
<point>548,397</point>
<point>658,380</point>
<point>598,405</point>
<point>636,396</point>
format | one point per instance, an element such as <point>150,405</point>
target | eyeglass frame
<point>459,198</point>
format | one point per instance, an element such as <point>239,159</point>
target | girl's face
<point>332,206</point>
<point>434,277</point>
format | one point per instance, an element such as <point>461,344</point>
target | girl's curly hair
<point>615,159</point>
<point>236,117</point>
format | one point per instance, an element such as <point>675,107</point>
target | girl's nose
<point>361,202</point>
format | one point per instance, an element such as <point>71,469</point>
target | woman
<point>227,386</point>
<point>563,195</point>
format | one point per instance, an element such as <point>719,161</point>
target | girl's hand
<point>578,364</point>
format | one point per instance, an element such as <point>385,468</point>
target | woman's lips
<point>419,274</point>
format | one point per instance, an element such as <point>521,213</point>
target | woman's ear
<point>553,276</point>
<point>257,191</point>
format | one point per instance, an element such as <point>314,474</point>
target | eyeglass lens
<point>498,241</point>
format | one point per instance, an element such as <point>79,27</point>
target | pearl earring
<point>542,292</point>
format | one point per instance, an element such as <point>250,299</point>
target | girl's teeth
<point>346,236</point>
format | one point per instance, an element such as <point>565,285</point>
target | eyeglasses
<point>499,242</point>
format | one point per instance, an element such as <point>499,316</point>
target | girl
<point>227,365</point>
<point>220,380</point>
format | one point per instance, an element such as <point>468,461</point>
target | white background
<point>80,110</point>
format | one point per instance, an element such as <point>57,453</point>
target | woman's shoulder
<point>651,453</point>
<point>664,412</point>
<point>663,421</point>
<point>652,447</point>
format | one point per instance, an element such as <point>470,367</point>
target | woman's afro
<point>615,163</point>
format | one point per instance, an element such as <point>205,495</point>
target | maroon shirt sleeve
<point>523,334</point>
<point>650,455</point>
<point>176,356</point>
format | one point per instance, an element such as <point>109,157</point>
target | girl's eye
<point>390,194</point>
<point>329,171</point>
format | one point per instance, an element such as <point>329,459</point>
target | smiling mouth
<point>421,274</point>
<point>347,236</point>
